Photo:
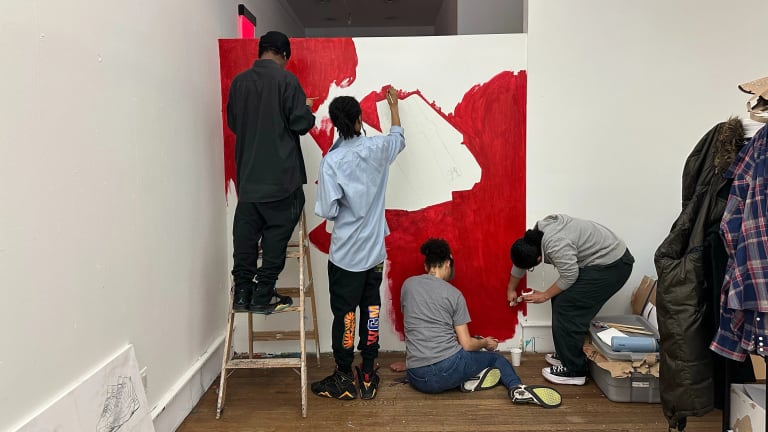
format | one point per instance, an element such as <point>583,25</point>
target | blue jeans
<point>452,372</point>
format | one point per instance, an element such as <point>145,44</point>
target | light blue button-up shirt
<point>350,192</point>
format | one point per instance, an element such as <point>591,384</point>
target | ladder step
<point>292,291</point>
<point>296,308</point>
<point>263,363</point>
<point>281,335</point>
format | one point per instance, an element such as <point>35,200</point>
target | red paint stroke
<point>317,63</point>
<point>370,110</point>
<point>323,134</point>
<point>320,237</point>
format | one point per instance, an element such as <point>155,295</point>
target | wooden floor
<point>269,400</point>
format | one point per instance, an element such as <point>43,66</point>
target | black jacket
<point>684,296</point>
<point>267,111</point>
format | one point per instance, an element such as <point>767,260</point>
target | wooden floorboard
<point>269,400</point>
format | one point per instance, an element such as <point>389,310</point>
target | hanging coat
<point>684,305</point>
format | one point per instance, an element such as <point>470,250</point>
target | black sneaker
<point>368,383</point>
<point>553,359</point>
<point>337,386</point>
<point>561,375</point>
<point>266,300</point>
<point>242,298</point>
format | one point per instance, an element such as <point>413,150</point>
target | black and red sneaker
<point>338,385</point>
<point>368,383</point>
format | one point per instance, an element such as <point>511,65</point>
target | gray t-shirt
<point>570,244</point>
<point>431,309</point>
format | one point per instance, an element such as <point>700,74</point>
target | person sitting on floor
<point>440,353</point>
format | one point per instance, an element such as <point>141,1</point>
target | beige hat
<point>757,86</point>
<point>757,105</point>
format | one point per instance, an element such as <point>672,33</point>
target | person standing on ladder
<point>350,192</point>
<point>267,111</point>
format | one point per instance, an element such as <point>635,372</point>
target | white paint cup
<point>516,354</point>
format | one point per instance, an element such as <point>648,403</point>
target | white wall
<point>489,16</point>
<point>369,31</point>
<point>113,228</point>
<point>619,93</point>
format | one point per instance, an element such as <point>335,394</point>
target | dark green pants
<point>574,308</point>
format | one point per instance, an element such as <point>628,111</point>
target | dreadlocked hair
<point>526,250</point>
<point>344,112</point>
<point>436,252</point>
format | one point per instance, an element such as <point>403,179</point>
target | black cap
<point>276,41</point>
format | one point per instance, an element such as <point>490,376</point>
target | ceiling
<point>366,13</point>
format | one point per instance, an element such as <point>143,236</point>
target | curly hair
<point>436,252</point>
<point>525,251</point>
<point>344,112</point>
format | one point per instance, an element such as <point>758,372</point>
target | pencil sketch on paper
<point>120,404</point>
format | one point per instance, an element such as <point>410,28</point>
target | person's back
<point>352,185</point>
<point>431,308</point>
<point>361,169</point>
<point>592,243</point>
<point>350,191</point>
<point>267,110</point>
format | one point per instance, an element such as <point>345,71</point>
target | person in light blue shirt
<point>350,192</point>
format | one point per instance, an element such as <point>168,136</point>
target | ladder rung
<point>292,250</point>
<point>263,363</point>
<point>281,335</point>
<point>296,308</point>
<point>292,291</point>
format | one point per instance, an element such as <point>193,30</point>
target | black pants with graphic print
<point>268,223</point>
<point>574,308</point>
<point>350,290</point>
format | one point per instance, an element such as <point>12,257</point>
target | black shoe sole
<point>266,310</point>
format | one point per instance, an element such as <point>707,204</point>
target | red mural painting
<point>480,224</point>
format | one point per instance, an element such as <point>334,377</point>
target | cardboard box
<point>642,295</point>
<point>747,407</point>
<point>625,381</point>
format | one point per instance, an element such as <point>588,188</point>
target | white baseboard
<point>178,402</point>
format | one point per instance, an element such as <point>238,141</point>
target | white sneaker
<point>553,359</point>
<point>561,375</point>
<point>486,379</point>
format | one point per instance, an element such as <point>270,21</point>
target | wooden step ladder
<point>299,250</point>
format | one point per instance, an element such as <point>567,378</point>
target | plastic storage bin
<point>635,388</point>
<point>638,387</point>
<point>633,320</point>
